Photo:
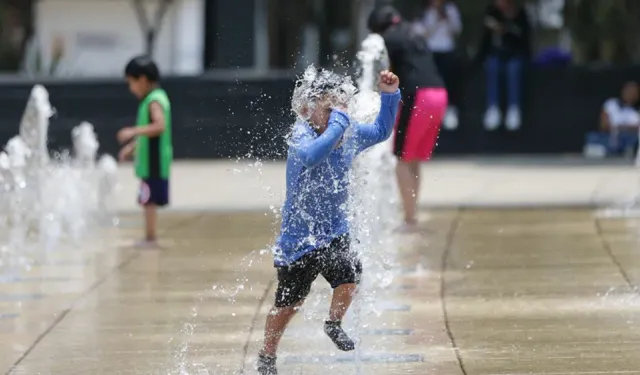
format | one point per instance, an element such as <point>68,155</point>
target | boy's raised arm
<point>311,151</point>
<point>371,134</point>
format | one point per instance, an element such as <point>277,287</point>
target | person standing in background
<point>149,142</point>
<point>506,46</point>
<point>424,104</point>
<point>440,24</point>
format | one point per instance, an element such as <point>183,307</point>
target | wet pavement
<point>517,291</point>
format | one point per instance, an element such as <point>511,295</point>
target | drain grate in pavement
<point>366,358</point>
<point>388,332</point>
<point>20,297</point>
<point>52,262</point>
<point>390,306</point>
<point>20,279</point>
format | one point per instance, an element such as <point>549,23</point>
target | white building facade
<point>98,37</point>
<point>234,37</point>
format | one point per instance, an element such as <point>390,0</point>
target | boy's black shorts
<point>154,191</point>
<point>336,262</point>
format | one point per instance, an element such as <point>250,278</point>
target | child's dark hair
<point>142,66</point>
<point>325,83</point>
<point>383,18</point>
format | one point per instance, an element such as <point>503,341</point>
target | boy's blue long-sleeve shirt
<point>316,205</point>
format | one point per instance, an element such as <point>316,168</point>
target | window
<point>310,31</point>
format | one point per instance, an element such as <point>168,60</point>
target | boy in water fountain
<point>314,238</point>
<point>149,141</point>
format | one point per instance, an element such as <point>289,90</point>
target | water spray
<point>45,201</point>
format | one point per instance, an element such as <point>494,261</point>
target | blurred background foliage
<point>604,31</point>
<point>595,31</point>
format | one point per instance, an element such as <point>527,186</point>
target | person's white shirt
<point>441,33</point>
<point>620,114</point>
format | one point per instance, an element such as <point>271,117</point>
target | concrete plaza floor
<point>464,182</point>
<point>481,291</point>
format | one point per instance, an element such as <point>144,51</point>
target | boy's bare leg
<point>277,322</point>
<point>342,298</point>
<point>150,221</point>
<point>150,225</point>
<point>294,284</point>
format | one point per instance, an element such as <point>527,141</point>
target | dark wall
<point>560,106</point>
<point>211,119</point>
<point>214,119</point>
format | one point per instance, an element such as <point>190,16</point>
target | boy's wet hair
<point>142,66</point>
<point>317,84</point>
<point>326,83</point>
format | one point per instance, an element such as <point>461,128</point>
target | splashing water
<point>373,59</point>
<point>373,192</point>
<point>184,360</point>
<point>317,85</point>
<point>47,201</point>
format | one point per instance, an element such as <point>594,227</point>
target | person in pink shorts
<point>423,107</point>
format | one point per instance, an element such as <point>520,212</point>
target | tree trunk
<point>151,28</point>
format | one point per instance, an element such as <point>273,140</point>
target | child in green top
<point>149,141</point>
